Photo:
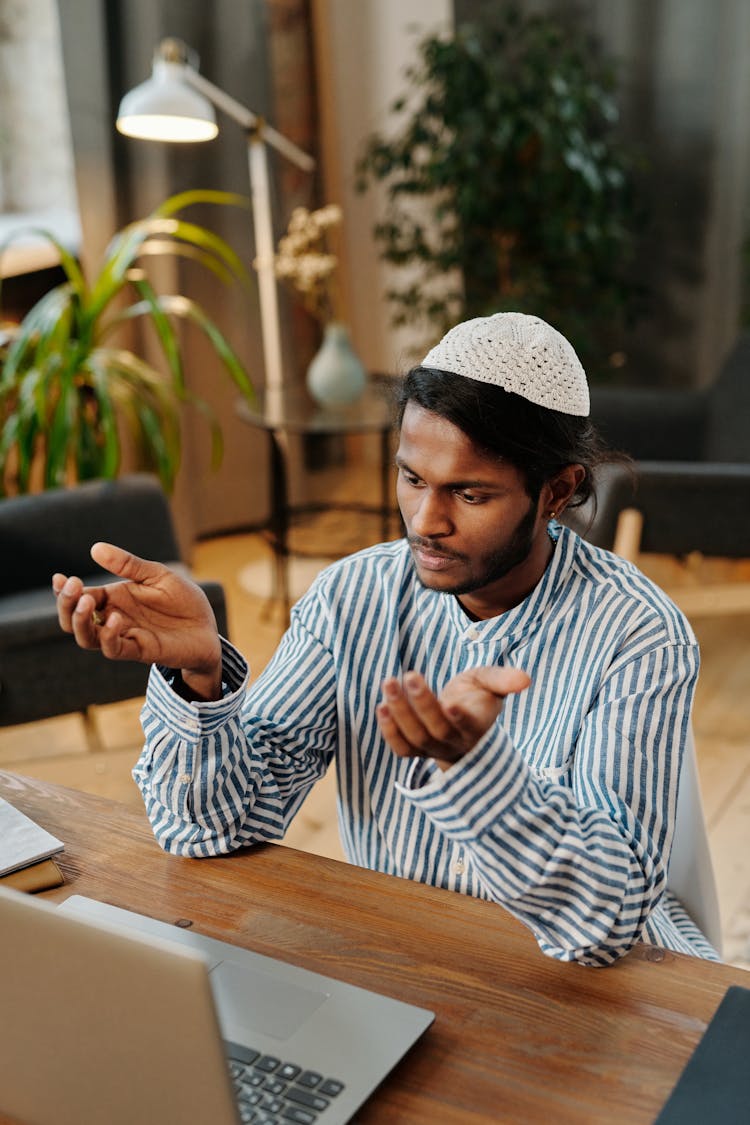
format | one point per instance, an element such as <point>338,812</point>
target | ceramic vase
<point>336,375</point>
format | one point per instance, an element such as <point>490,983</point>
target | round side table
<point>283,414</point>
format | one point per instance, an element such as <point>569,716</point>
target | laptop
<point>110,1016</point>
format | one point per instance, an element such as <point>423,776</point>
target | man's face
<point>472,527</point>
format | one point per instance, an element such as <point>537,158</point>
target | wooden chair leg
<point>695,598</point>
<point>93,740</point>
<point>627,542</point>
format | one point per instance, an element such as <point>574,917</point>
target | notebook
<point>112,1016</point>
<point>715,1084</point>
<point>22,840</point>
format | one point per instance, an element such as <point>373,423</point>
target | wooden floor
<point>60,750</point>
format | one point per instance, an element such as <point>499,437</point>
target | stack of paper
<point>26,852</point>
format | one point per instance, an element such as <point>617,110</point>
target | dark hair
<point>538,441</point>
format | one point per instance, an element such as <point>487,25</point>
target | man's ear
<point>558,491</point>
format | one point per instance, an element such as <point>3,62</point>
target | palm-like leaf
<point>42,322</point>
<point>151,306</point>
<point>156,246</point>
<point>64,392</point>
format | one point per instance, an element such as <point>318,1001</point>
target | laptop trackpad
<point>257,1002</point>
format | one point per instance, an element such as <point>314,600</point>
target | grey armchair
<point>691,451</point>
<point>42,670</point>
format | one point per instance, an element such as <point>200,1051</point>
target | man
<point>506,705</point>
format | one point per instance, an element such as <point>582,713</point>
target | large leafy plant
<point>507,139</point>
<point>69,389</point>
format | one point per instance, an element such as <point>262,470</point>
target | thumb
<point>124,564</point>
<point>502,681</point>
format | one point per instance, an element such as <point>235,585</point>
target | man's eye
<point>471,497</point>
<point>410,478</point>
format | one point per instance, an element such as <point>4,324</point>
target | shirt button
<point>472,634</point>
<point>185,778</point>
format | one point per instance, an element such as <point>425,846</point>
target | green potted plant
<point>68,388</point>
<point>508,135</point>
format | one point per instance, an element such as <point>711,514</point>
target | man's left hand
<point>417,723</point>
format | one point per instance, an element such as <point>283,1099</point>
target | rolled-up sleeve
<point>218,775</point>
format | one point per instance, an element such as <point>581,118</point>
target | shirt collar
<point>522,616</point>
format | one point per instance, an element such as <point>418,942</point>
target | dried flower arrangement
<point>305,261</point>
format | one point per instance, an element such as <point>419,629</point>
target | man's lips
<point>430,559</point>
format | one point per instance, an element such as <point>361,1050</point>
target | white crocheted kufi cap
<point>519,353</point>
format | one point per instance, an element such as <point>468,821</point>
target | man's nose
<point>431,517</point>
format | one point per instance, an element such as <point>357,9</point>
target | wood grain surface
<point>517,1037</point>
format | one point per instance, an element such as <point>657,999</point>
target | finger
<point>428,709</point>
<point>401,713</point>
<point>125,564</point>
<point>392,733</point>
<point>501,681</point>
<point>67,599</point>
<point>410,722</point>
<point>58,581</point>
<point>68,596</point>
<point>114,640</point>
<point>84,624</point>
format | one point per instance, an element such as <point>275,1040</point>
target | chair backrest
<point>42,671</point>
<point>596,520</point>
<point>727,437</point>
<point>651,423</point>
<point>694,507</point>
<point>54,530</point>
<point>691,875</point>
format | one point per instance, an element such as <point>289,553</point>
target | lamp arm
<point>248,120</point>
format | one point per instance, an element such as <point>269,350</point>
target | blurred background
<point>326,73</point>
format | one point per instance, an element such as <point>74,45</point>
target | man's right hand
<point>153,615</point>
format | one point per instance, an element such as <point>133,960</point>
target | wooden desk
<point>517,1037</point>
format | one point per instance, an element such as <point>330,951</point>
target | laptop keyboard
<point>273,1092</point>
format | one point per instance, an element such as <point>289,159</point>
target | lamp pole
<point>259,134</point>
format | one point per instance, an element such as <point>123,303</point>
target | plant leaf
<point>206,240</point>
<point>165,332</point>
<point>191,310</point>
<point>183,199</point>
<point>149,400</point>
<point>108,428</point>
<point>62,430</point>
<point>156,247</point>
<point>42,319</point>
<point>65,395</point>
<point>67,260</point>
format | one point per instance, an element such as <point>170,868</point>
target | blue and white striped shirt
<point>563,812</point>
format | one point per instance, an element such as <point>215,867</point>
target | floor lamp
<point>176,104</point>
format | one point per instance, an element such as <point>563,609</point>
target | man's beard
<point>497,564</point>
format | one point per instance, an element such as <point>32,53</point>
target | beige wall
<point>363,48</point>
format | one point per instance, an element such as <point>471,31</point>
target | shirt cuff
<point>191,718</point>
<point>468,798</point>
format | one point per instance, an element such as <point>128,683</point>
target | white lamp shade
<point>165,108</point>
